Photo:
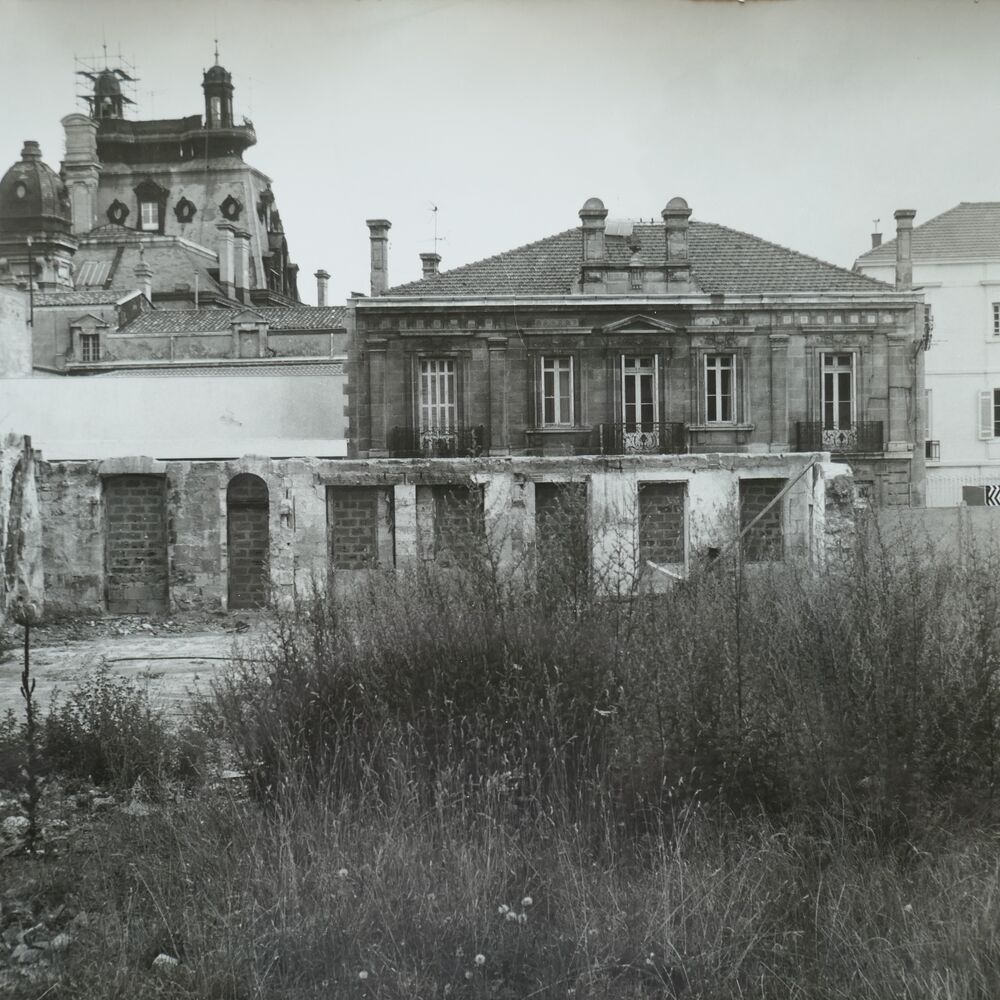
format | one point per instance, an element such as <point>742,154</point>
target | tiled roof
<point>244,371</point>
<point>80,297</point>
<point>173,264</point>
<point>723,260</point>
<point>969,230</point>
<point>160,321</point>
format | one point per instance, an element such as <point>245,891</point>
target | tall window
<point>149,216</point>
<point>996,413</point>
<point>215,103</point>
<point>557,392</point>
<point>90,347</point>
<point>838,392</point>
<point>996,319</point>
<point>720,388</point>
<point>638,393</point>
<point>437,394</point>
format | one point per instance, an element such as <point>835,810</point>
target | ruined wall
<point>21,589</point>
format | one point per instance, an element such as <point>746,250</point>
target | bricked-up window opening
<point>562,548</point>
<point>996,319</point>
<point>639,394</point>
<point>765,540</point>
<point>720,388</point>
<point>557,392</point>
<point>459,525</point>
<point>248,536</point>
<point>661,523</point>
<point>996,412</point>
<point>90,347</point>
<point>135,552</point>
<point>353,515</point>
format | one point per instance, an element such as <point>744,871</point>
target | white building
<point>956,262</point>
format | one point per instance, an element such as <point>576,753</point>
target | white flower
<point>362,975</point>
<point>503,909</point>
<point>510,915</point>
<point>908,908</point>
<point>480,959</point>
<point>527,901</point>
<point>342,873</point>
<point>468,975</point>
<point>522,918</point>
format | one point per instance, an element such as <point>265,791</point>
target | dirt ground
<point>172,657</point>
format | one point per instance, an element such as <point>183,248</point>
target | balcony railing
<point>642,439</point>
<point>864,436</point>
<point>451,442</point>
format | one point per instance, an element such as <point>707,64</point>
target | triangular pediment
<point>247,316</point>
<point>87,320</point>
<point>639,324</point>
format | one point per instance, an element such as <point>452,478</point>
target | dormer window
<point>149,214</point>
<point>151,202</point>
<point>90,347</point>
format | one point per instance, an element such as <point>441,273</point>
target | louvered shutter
<point>985,415</point>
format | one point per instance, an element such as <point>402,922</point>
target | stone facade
<point>143,536</point>
<point>685,338</point>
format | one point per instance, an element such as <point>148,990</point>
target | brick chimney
<point>144,276</point>
<point>678,262</point>
<point>430,263</point>
<point>226,276</point>
<point>592,217</point>
<point>378,230</point>
<point>904,249</point>
<point>876,240</point>
<point>241,264</point>
<point>321,281</point>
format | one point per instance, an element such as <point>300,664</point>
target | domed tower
<point>218,87</point>
<point>35,221</point>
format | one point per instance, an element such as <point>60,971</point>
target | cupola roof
<point>33,199</point>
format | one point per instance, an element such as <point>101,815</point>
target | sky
<point>800,121</point>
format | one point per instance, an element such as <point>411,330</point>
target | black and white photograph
<point>499,499</point>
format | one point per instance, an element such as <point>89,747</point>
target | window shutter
<point>985,415</point>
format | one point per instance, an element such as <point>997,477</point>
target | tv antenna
<point>434,213</point>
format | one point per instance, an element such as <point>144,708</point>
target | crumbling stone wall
<point>21,583</point>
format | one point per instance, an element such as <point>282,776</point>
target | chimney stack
<point>81,170</point>
<point>144,275</point>
<point>678,263</point>
<point>226,278</point>
<point>904,249</point>
<point>430,263</point>
<point>379,235</point>
<point>592,217</point>
<point>876,240</point>
<point>241,269</point>
<point>321,280</point>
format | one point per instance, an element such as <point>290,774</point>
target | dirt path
<point>197,656</point>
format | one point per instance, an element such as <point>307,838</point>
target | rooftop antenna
<point>876,222</point>
<point>437,239</point>
<point>217,52</point>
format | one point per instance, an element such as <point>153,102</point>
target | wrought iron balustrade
<point>642,439</point>
<point>438,442</point>
<point>862,436</point>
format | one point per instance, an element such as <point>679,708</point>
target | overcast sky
<point>798,120</point>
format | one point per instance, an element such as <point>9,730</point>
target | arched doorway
<point>248,538</point>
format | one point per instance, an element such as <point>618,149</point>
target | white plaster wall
<point>963,361</point>
<point>74,418</point>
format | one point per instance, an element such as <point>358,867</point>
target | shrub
<point>106,730</point>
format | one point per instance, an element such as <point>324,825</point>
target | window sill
<point>721,427</point>
<point>561,429</point>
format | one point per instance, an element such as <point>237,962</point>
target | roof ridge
<point>933,218</point>
<point>488,260</point>
<point>796,253</point>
